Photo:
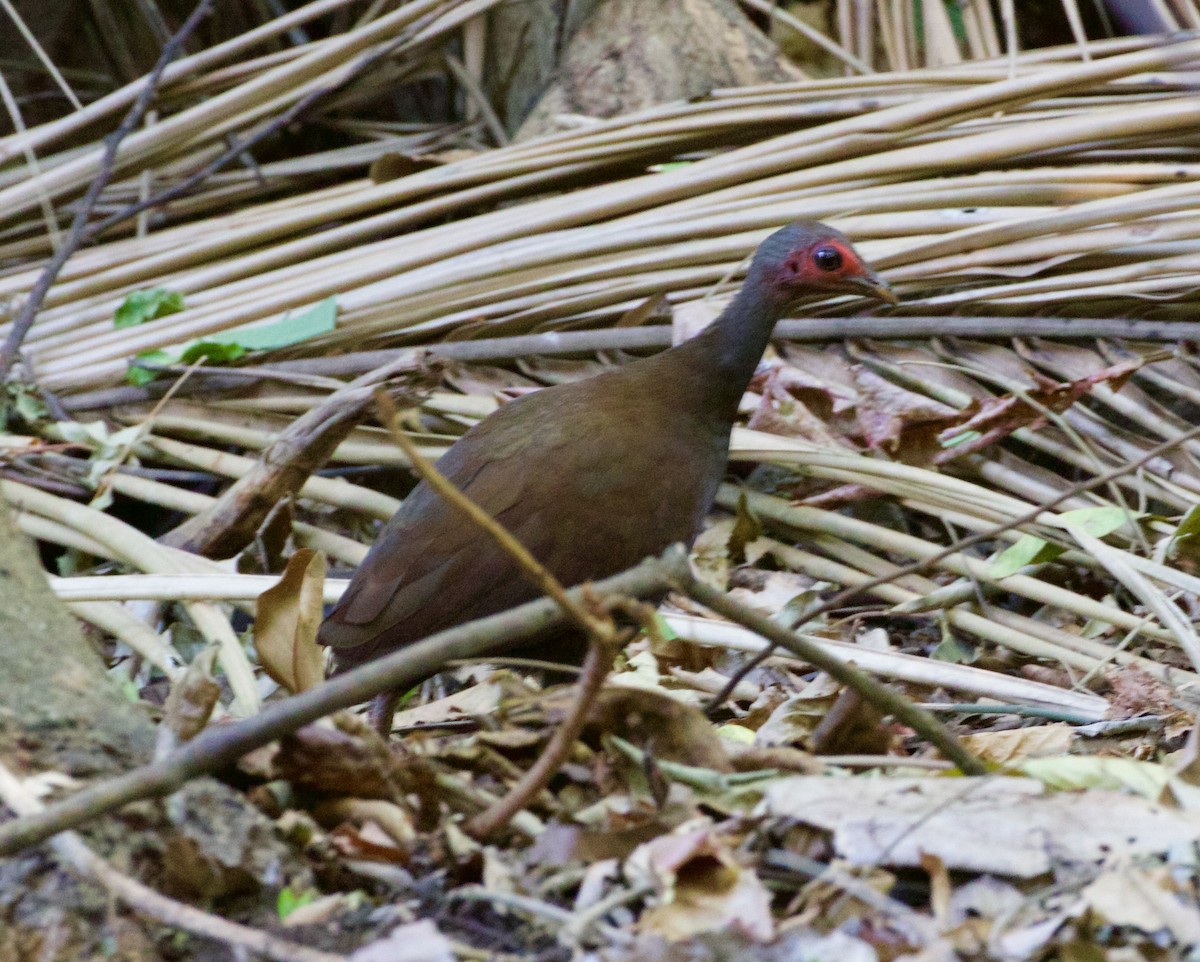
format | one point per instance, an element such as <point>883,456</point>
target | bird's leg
<point>381,710</point>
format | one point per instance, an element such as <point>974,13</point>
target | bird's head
<point>809,257</point>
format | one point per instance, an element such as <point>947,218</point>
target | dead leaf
<point>190,703</point>
<point>328,759</point>
<point>1007,826</point>
<point>939,887</point>
<point>660,725</point>
<point>395,822</point>
<point>793,720</point>
<point>318,911</point>
<point>289,614</point>
<point>415,942</point>
<point>476,701</point>
<point>888,413</point>
<point>701,888</point>
<point>657,306</point>
<point>1135,692</point>
<point>1012,746</point>
<point>852,726</point>
<point>1144,899</point>
<point>370,843</point>
<point>997,418</point>
<point>394,165</point>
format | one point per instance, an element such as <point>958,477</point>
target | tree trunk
<point>59,712</point>
<point>605,57</point>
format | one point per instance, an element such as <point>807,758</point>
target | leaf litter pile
<point>1038,219</point>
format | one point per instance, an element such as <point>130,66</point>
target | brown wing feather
<point>551,469</point>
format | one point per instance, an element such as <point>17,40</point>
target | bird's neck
<point>726,354</point>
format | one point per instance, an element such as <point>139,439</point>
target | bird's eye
<point>827,258</point>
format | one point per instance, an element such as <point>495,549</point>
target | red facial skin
<point>800,270</point>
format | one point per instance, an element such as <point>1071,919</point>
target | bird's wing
<point>547,468</point>
<point>431,567</point>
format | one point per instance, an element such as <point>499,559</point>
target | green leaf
<point>1097,522</point>
<point>1074,772</point>
<point>1184,542</point>
<point>952,650</point>
<point>147,305</point>
<point>212,351</point>
<point>736,733</point>
<point>222,347</point>
<point>665,630</point>
<point>288,330</point>
<point>28,405</point>
<point>288,901</point>
<point>1029,550</point>
<point>138,375</point>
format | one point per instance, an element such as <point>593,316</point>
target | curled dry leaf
<point>660,725</point>
<point>395,822</point>
<point>289,614</point>
<point>190,703</point>
<point>370,843</point>
<point>890,417</point>
<point>700,887</point>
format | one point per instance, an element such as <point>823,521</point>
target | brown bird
<point>591,476</point>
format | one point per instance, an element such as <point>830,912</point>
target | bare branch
<point>218,747</point>
<point>143,900</point>
<point>878,694</point>
<point>917,567</point>
<point>75,237</point>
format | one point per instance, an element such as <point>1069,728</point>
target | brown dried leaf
<point>338,762</point>
<point>852,726</point>
<point>1135,691</point>
<point>395,822</point>
<point>657,306</point>
<point>661,726</point>
<point>392,166</point>
<point>289,614</point>
<point>997,418</point>
<point>1037,741</point>
<point>191,701</point>
<point>369,843</point>
<point>890,415</point>
<point>701,888</point>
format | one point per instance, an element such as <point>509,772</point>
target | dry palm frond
<point>1055,187</point>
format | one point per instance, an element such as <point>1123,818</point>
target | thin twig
<point>24,319</point>
<point>596,667</point>
<point>917,567</point>
<point>603,637</point>
<point>143,900</point>
<point>215,748</point>
<point>888,701</point>
<point>283,468</point>
<point>239,148</point>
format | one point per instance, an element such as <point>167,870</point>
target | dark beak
<point>872,285</point>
